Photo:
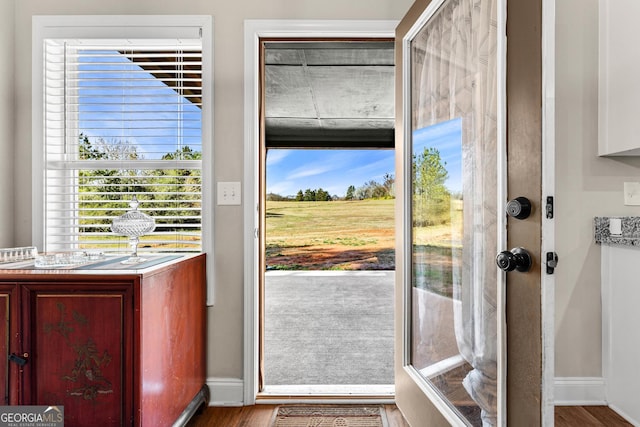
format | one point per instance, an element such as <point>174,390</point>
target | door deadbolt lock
<point>516,259</point>
<point>519,208</point>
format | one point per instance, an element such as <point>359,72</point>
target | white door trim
<point>548,224</point>
<point>254,30</point>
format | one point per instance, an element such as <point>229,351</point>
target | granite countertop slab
<point>630,235</point>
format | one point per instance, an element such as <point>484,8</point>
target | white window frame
<point>119,27</point>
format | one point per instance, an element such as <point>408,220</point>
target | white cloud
<point>311,170</point>
<point>276,156</point>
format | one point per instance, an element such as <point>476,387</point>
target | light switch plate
<point>632,193</point>
<point>229,193</point>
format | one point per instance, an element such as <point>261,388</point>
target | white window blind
<point>122,118</point>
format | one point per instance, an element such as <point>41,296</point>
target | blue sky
<point>291,170</point>
<point>332,170</point>
<point>146,115</point>
<point>447,138</point>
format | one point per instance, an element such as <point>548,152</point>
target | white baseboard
<point>624,415</point>
<point>569,391</point>
<point>226,391</point>
<point>579,391</point>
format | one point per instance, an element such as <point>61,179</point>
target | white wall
<point>6,123</point>
<point>225,329</point>
<point>586,186</point>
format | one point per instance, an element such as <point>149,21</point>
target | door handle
<point>20,360</point>
<point>516,259</point>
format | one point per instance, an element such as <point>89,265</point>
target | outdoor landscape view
<point>330,209</point>
<point>335,209</point>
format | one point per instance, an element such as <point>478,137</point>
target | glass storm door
<point>455,170</point>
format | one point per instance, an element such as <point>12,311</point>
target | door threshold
<point>332,393</point>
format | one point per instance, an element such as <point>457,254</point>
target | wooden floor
<point>261,415</point>
<point>569,416</point>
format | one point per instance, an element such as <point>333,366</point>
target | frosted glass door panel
<point>454,193</point>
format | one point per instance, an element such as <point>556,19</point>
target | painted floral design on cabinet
<point>86,375</point>
<point>78,343</point>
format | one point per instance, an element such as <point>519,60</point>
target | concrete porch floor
<point>329,328</point>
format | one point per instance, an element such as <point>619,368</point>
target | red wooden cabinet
<point>115,348</point>
<point>9,324</point>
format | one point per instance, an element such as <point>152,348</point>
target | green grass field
<point>347,235</point>
<point>358,235</point>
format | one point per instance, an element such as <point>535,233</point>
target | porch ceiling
<point>329,94</point>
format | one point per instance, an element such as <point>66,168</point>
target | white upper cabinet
<point>619,78</point>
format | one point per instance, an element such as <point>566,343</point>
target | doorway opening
<point>327,227</point>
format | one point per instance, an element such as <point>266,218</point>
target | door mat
<point>330,416</point>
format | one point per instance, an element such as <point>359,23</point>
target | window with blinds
<point>122,119</point>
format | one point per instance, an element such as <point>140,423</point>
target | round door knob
<point>519,208</point>
<point>515,259</point>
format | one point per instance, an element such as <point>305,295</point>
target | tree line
<point>171,195</point>
<point>175,194</point>
<point>370,190</point>
<point>431,197</point>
